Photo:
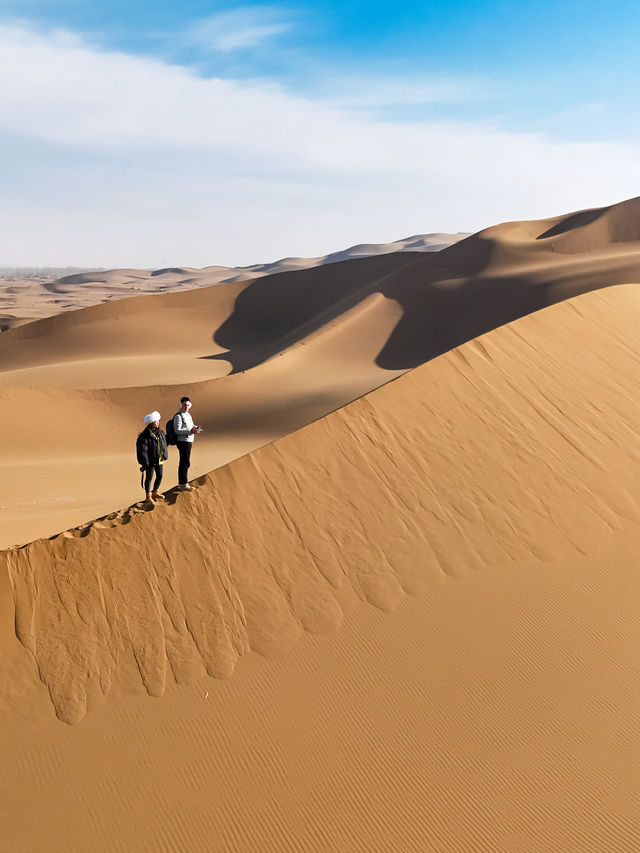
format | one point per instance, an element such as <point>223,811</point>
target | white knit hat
<point>153,416</point>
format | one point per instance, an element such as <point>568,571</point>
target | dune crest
<point>263,358</point>
<point>439,573</point>
<point>489,454</point>
<point>30,295</point>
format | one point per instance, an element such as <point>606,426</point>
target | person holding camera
<point>185,430</point>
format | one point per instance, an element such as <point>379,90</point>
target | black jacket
<point>147,449</point>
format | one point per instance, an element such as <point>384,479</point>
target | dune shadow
<point>274,312</point>
<point>446,300</point>
<point>277,417</point>
<point>439,316</point>
<point>576,220</point>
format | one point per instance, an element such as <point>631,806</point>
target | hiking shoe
<point>185,487</point>
<point>156,496</point>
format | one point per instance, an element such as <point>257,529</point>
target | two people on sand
<point>152,450</point>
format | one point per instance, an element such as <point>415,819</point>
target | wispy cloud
<point>122,155</point>
<point>244,27</point>
<point>380,90</point>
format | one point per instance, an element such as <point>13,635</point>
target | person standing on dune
<point>151,450</point>
<point>185,430</point>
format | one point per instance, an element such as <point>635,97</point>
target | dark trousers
<point>148,474</point>
<point>184,449</point>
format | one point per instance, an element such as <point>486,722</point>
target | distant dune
<point>262,358</point>
<point>485,506</point>
<point>33,294</point>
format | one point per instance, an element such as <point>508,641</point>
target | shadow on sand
<point>444,297</point>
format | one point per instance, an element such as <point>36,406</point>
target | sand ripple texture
<point>520,445</point>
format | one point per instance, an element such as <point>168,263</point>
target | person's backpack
<point>170,432</point>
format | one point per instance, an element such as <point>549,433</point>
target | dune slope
<point>261,359</point>
<point>488,499</point>
<point>514,445</point>
<point>28,295</point>
<point>439,582</point>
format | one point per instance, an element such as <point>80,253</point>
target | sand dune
<point>24,299</point>
<point>443,454</point>
<point>260,358</point>
<point>296,382</point>
<point>484,507</point>
<point>495,487</point>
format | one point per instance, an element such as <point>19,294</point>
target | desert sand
<point>28,295</point>
<point>394,615</point>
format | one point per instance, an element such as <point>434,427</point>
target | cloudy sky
<point>161,133</point>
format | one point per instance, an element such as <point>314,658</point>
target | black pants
<point>148,474</point>
<point>184,449</point>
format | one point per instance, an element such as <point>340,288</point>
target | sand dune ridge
<point>436,474</point>
<point>265,357</point>
<point>471,529</point>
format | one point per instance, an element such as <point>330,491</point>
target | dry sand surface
<point>31,295</point>
<point>262,358</point>
<point>439,582</point>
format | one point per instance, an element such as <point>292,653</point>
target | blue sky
<point>199,133</point>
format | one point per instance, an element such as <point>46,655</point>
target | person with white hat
<point>151,450</point>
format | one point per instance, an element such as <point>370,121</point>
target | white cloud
<point>376,90</point>
<point>162,166</point>
<point>238,28</point>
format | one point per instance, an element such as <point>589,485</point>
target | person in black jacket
<point>151,450</point>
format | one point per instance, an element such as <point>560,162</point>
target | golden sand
<point>427,599</point>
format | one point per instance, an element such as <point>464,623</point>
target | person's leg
<point>184,450</point>
<point>156,485</point>
<point>187,454</point>
<point>181,471</point>
<point>148,473</point>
